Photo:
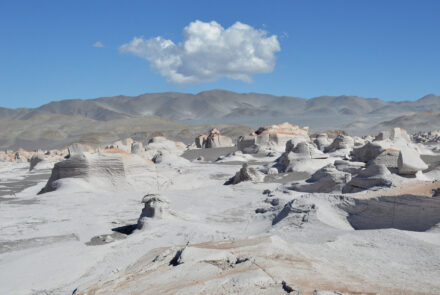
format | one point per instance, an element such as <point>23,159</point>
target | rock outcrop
<point>78,148</point>
<point>389,158</point>
<point>372,176</point>
<point>409,162</point>
<point>106,170</point>
<point>123,144</point>
<point>341,142</point>
<point>200,141</point>
<point>246,173</point>
<point>155,206</point>
<point>164,146</point>
<point>302,157</point>
<point>35,159</point>
<point>272,137</point>
<point>349,166</point>
<point>427,137</point>
<point>368,152</point>
<point>322,141</point>
<point>326,180</point>
<point>213,140</point>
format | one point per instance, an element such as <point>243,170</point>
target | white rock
<point>247,173</point>
<point>155,206</point>
<point>409,162</point>
<point>272,137</point>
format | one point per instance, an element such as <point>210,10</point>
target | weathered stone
<point>246,173</point>
<point>409,162</point>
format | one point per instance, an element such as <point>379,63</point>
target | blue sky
<point>385,49</point>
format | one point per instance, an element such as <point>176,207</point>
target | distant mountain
<point>414,122</point>
<point>222,105</point>
<point>46,131</point>
<point>109,118</point>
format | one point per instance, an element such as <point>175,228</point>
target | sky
<point>53,50</point>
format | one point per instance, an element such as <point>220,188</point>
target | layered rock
<point>372,176</point>
<point>112,171</point>
<point>409,162</point>
<point>389,158</point>
<point>326,180</point>
<point>272,137</point>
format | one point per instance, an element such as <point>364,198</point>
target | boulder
<point>322,141</point>
<point>247,144</point>
<point>341,142</point>
<point>326,180</point>
<point>302,157</point>
<point>409,162</point>
<point>389,158</point>
<point>35,159</point>
<point>155,206</point>
<point>368,152</point>
<point>358,141</point>
<point>246,173</point>
<point>372,176</point>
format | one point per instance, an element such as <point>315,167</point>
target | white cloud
<point>209,52</point>
<point>98,44</point>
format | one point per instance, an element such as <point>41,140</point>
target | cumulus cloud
<point>209,52</point>
<point>98,44</point>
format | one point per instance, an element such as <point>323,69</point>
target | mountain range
<point>357,115</point>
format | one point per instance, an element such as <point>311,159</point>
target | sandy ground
<point>235,239</point>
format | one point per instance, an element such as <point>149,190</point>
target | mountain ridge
<point>219,103</point>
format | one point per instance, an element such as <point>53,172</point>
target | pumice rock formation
<point>326,180</point>
<point>155,206</point>
<point>213,140</point>
<point>302,157</point>
<point>35,160</point>
<point>322,141</point>
<point>110,169</point>
<point>246,173</point>
<point>409,162</point>
<point>324,214</point>
<point>271,138</point>
<point>370,177</point>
